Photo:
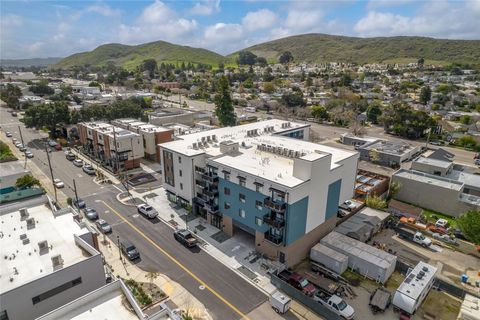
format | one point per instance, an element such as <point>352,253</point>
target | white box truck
<point>413,290</point>
<point>280,302</point>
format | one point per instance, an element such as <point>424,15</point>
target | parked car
<point>8,134</point>
<point>459,234</point>
<point>28,154</point>
<point>80,204</point>
<point>477,162</point>
<point>14,140</point>
<point>147,211</point>
<point>301,284</point>
<point>77,162</point>
<point>442,223</point>
<point>185,237</point>
<point>103,226</point>
<point>14,114</point>
<point>88,169</point>
<point>477,155</point>
<point>70,156</point>
<point>58,183</point>
<point>52,143</point>
<point>90,213</point>
<point>129,250</point>
<point>58,147</point>
<point>18,145</point>
<point>22,148</point>
<point>436,143</point>
<point>444,237</point>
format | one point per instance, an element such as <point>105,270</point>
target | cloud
<point>158,21</point>
<point>261,19</point>
<point>205,7</point>
<point>436,19</point>
<point>104,10</point>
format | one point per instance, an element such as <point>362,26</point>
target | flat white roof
<point>434,162</point>
<point>25,261</point>
<point>275,167</point>
<point>417,280</point>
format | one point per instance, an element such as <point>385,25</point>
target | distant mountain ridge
<point>311,48</point>
<point>34,62</point>
<point>132,56</point>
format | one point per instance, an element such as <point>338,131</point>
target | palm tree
<point>151,275</point>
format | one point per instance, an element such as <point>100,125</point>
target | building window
<point>226,191</point>
<point>180,173</point>
<point>57,290</point>
<point>181,186</point>
<point>226,176</point>
<point>258,221</point>
<point>241,197</point>
<point>259,205</point>
<point>179,159</point>
<point>226,205</point>
<point>241,213</point>
<point>241,181</point>
<point>258,187</point>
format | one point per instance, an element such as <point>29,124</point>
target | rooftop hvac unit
<point>30,223</point>
<point>57,261</point>
<point>43,246</point>
<point>23,236</point>
<point>297,154</point>
<point>23,214</point>
<point>195,145</point>
<point>203,139</point>
<point>214,137</point>
<point>243,144</point>
<point>209,138</point>
<point>289,124</point>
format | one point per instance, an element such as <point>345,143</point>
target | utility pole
<point>76,194</point>
<point>23,144</point>
<point>51,173</point>
<point>116,150</point>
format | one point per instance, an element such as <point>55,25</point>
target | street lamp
<point>119,250</point>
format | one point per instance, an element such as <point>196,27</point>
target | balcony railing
<point>199,170</point>
<point>275,239</point>
<point>199,201</point>
<point>212,208</point>
<point>209,178</point>
<point>273,221</point>
<point>210,193</point>
<point>277,206</point>
<point>200,183</point>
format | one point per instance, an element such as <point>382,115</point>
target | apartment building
<point>114,147</point>
<point>264,179</point>
<point>152,135</point>
<point>48,259</point>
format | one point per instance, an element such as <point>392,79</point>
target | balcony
<point>275,239</point>
<point>199,170</point>
<point>210,193</point>
<point>199,201</point>
<point>200,183</point>
<point>209,178</point>
<point>277,206</point>
<point>274,221</point>
<point>211,207</point>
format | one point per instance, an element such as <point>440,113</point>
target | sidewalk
<point>183,299</point>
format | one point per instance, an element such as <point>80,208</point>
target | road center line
<point>215,293</point>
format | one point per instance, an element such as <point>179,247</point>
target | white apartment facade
<point>51,260</point>
<point>255,177</point>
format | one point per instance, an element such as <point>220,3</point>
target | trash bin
<point>464,278</point>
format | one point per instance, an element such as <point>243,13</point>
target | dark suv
<point>129,250</point>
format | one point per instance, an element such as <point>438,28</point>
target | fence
<point>21,194</point>
<point>439,284</point>
<point>303,299</point>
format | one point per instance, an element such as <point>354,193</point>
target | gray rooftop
<point>430,179</point>
<point>390,147</point>
<point>434,162</point>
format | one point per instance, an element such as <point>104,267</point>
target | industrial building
<point>48,259</point>
<point>363,224</point>
<point>285,192</point>
<point>388,153</point>
<point>114,147</point>
<point>369,261</point>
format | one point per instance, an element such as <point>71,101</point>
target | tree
<point>47,115</point>
<point>374,111</point>
<point>286,57</point>
<point>320,112</point>
<point>374,155</point>
<point>293,99</point>
<point>465,119</point>
<point>393,189</point>
<point>261,61</point>
<point>469,223</point>
<point>268,87</point>
<point>223,103</point>
<point>375,202</point>
<point>467,141</point>
<point>246,58</point>
<point>151,275</point>
<point>41,89</point>
<point>150,65</point>
<point>420,62</point>
<point>425,95</point>
<point>27,181</point>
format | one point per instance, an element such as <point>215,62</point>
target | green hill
<point>131,56</point>
<point>327,48</point>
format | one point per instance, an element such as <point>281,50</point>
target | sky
<point>34,28</point>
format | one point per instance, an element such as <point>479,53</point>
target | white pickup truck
<point>413,236</point>
<point>336,304</point>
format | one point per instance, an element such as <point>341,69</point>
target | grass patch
<point>429,215</point>
<point>6,154</point>
<point>395,280</point>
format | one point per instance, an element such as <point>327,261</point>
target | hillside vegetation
<point>312,48</point>
<point>326,48</point>
<point>131,56</point>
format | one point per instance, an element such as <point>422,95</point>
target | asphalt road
<point>225,294</point>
